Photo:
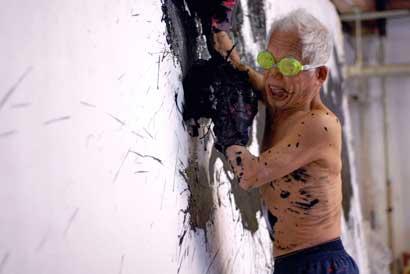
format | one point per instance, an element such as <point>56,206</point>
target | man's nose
<point>275,73</point>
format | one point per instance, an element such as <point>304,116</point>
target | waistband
<point>331,246</point>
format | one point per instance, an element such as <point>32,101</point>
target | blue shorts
<point>327,258</point>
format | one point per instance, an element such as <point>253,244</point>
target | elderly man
<point>298,171</point>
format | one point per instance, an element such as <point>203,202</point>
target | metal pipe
<point>377,70</point>
<point>374,15</point>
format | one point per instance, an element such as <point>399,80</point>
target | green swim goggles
<point>288,66</point>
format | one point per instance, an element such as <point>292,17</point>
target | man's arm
<point>223,44</point>
<point>314,137</point>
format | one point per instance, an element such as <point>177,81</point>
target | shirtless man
<point>298,171</point>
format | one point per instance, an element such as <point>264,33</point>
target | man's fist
<point>222,18</point>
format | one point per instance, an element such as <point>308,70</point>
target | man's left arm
<point>314,137</point>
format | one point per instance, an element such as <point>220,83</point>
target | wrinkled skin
<point>298,171</point>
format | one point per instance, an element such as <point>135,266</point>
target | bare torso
<point>306,204</point>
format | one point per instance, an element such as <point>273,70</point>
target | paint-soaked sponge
<point>215,89</point>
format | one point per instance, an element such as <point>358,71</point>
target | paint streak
<point>147,156</point>
<point>21,105</point>
<point>56,120</point>
<point>307,205</point>
<point>121,264</point>
<point>4,261</point>
<point>300,175</point>
<point>14,87</point>
<point>70,221</point>
<point>116,119</point>
<point>87,104</point>
<point>8,133</point>
<point>212,262</point>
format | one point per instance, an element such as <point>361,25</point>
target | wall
<point>98,171</point>
<point>379,162</point>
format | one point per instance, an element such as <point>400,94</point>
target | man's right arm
<point>223,44</point>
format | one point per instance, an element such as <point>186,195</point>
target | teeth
<point>277,92</point>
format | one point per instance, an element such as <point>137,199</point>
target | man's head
<point>303,37</point>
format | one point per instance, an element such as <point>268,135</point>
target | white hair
<point>316,40</point>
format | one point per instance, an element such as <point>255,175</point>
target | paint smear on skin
<point>307,205</point>
<point>238,161</point>
<point>284,194</point>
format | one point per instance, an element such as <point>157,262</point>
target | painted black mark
<point>121,264</point>
<point>307,205</point>
<point>147,156</point>
<point>289,145</point>
<point>70,221</point>
<point>4,261</point>
<point>302,192</point>
<point>13,88</point>
<point>297,144</point>
<point>284,194</point>
<point>325,128</point>
<point>116,119</point>
<point>293,211</point>
<point>8,133</point>
<point>21,105</point>
<point>238,161</point>
<point>56,120</point>
<point>88,104</point>
<point>300,175</point>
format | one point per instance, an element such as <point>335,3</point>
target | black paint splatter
<point>284,194</point>
<point>297,144</point>
<point>307,205</point>
<point>300,175</point>
<point>293,211</point>
<point>238,161</point>
<point>325,128</point>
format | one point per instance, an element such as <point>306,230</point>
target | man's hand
<point>223,45</point>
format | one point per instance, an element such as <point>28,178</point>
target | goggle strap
<point>309,67</point>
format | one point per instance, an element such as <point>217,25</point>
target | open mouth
<point>278,93</point>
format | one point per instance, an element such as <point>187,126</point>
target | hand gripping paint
<point>215,89</point>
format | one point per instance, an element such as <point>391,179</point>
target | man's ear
<point>322,73</point>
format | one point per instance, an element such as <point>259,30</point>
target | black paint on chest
<point>300,175</point>
<point>284,194</point>
<point>307,205</point>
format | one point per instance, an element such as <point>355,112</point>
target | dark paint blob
<point>300,175</point>
<point>238,161</point>
<point>284,194</point>
<point>289,145</point>
<point>303,123</point>
<point>325,128</point>
<point>266,164</point>
<point>297,144</point>
<point>307,205</point>
<point>302,192</point>
<point>287,179</point>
